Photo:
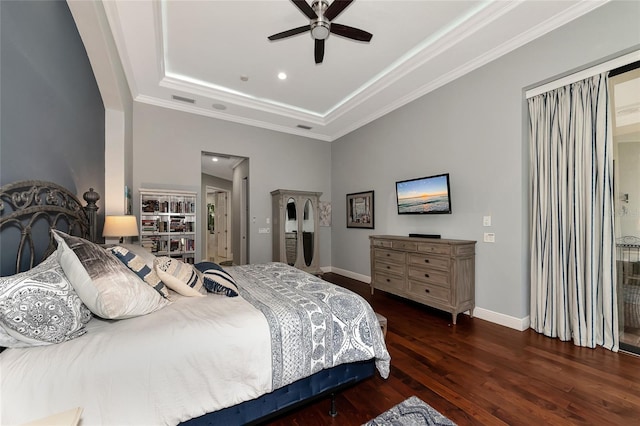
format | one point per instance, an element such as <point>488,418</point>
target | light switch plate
<point>486,221</point>
<point>489,237</point>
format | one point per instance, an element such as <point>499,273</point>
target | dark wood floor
<point>477,373</point>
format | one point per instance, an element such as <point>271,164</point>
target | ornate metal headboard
<point>29,209</point>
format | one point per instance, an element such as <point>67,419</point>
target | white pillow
<point>108,288</point>
<point>179,276</point>
<point>40,307</point>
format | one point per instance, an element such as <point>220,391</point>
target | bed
<point>211,358</point>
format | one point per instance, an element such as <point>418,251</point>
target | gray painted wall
<point>51,112</point>
<point>166,154</point>
<point>474,128</point>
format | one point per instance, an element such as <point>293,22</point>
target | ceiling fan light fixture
<point>321,16</point>
<point>320,29</point>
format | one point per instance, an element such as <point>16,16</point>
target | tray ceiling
<point>213,57</point>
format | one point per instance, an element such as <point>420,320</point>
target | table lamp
<point>120,227</point>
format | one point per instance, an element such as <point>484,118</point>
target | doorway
<point>222,178</point>
<point>218,244</point>
<point>624,90</point>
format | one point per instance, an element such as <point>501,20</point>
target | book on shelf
<point>149,206</point>
<point>177,224</point>
<point>149,225</point>
<point>150,244</point>
<point>189,244</point>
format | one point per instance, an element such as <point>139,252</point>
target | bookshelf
<point>168,223</point>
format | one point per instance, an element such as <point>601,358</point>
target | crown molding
<point>216,95</point>
<point>151,100</point>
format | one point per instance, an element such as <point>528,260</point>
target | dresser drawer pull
<point>426,261</point>
<point>388,267</point>
<point>426,275</point>
<point>426,290</point>
<point>388,280</point>
<point>388,254</point>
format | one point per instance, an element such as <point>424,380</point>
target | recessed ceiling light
<point>244,78</point>
<point>282,76</point>
<point>214,159</point>
<point>219,106</point>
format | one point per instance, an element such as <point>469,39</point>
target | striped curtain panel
<point>573,288</point>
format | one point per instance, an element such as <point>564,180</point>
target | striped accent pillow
<point>179,276</point>
<point>138,265</point>
<point>217,280</point>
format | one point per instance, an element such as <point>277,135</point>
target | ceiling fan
<point>321,14</point>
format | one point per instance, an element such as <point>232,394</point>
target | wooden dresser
<point>435,272</point>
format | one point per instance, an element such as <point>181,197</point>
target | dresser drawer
<point>405,245</point>
<point>388,282</point>
<point>429,292</point>
<point>434,248</point>
<point>431,276</point>
<point>381,243</point>
<point>389,256</point>
<point>390,268</point>
<point>429,261</point>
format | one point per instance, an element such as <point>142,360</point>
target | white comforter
<point>37,382</point>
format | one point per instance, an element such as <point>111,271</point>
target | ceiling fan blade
<point>336,8</point>
<point>319,52</point>
<point>350,32</point>
<point>305,8</point>
<point>290,33</point>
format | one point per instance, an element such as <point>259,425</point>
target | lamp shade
<point>120,226</point>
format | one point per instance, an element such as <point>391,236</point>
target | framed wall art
<point>360,210</point>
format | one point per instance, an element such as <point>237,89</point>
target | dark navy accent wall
<point>52,119</point>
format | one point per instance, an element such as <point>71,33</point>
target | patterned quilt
<point>314,324</point>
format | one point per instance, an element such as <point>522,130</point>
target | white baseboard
<point>519,324</point>
<point>364,278</point>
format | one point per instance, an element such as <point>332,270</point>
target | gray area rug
<point>410,412</point>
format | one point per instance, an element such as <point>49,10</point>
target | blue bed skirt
<point>288,397</point>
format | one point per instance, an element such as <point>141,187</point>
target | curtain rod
<point>586,73</point>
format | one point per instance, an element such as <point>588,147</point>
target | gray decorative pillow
<point>40,307</point>
<point>108,288</point>
<point>7,341</point>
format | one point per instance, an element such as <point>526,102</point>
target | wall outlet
<point>486,221</point>
<point>489,237</point>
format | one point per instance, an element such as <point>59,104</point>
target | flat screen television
<point>425,195</point>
